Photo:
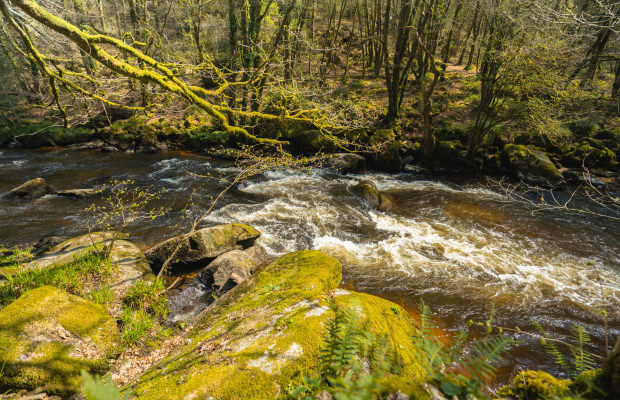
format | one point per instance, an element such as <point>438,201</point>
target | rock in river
<point>48,336</point>
<point>32,189</point>
<point>231,268</point>
<point>367,190</point>
<point>202,246</point>
<point>346,162</point>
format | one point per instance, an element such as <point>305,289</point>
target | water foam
<point>457,256</point>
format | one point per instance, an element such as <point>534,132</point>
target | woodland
<point>308,193</point>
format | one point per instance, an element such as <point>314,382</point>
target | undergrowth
<point>144,307</point>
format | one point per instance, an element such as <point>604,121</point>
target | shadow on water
<point>456,246</point>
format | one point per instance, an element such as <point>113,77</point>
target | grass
<point>144,307</point>
<point>87,274</point>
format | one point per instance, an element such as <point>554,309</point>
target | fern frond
<point>486,353</point>
<point>582,360</point>
<point>553,350</point>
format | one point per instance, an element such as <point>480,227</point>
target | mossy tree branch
<point>153,71</point>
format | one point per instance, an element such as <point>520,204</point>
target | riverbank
<point>536,160</point>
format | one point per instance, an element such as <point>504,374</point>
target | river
<point>457,246</point>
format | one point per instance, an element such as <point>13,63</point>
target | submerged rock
<point>530,165</point>
<point>369,193</point>
<point>202,246</point>
<point>48,336</point>
<point>32,189</point>
<point>346,162</point>
<point>231,268</point>
<point>132,265</point>
<point>266,335</point>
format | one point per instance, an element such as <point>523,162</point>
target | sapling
<point>125,204</point>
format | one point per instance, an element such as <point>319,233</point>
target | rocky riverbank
<point>261,335</point>
<point>537,160</point>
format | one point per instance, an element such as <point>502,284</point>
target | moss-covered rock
<point>48,336</point>
<point>265,335</point>
<point>346,162</point>
<point>202,246</point>
<point>530,165</point>
<point>590,152</point>
<point>531,385</point>
<point>387,157</point>
<point>368,192</point>
<point>311,142</point>
<point>131,263</point>
<point>452,155</point>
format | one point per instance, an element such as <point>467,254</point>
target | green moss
<point>530,164</point>
<point>67,136</point>
<point>590,152</point>
<point>530,385</point>
<point>48,336</point>
<point>265,335</point>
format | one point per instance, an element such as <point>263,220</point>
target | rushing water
<point>458,247</point>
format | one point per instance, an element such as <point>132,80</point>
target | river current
<point>457,246</point>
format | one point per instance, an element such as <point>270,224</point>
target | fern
<point>98,388</point>
<point>478,358</point>
<point>381,356</point>
<point>581,360</point>
<point>342,342</point>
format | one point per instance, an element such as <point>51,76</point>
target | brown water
<point>458,247</point>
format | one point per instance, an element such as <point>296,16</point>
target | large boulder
<point>452,156</point>
<point>265,335</point>
<point>48,336</point>
<point>35,140</point>
<point>530,165</point>
<point>311,142</point>
<point>32,189</point>
<point>231,268</point>
<point>346,162</point>
<point>131,263</point>
<point>201,247</point>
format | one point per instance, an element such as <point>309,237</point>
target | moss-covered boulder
<point>311,142</point>
<point>131,263</point>
<point>48,336</point>
<point>387,156</point>
<point>529,385</point>
<point>32,189</point>
<point>265,335</point>
<point>452,156</point>
<point>530,165</point>
<point>201,247</point>
<point>370,195</point>
<point>590,152</point>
